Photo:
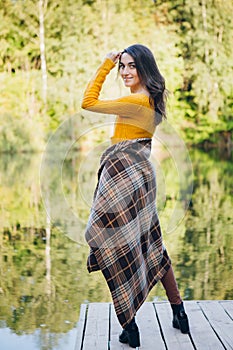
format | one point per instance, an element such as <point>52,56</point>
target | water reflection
<point>43,272</point>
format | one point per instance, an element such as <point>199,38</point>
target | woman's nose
<point>125,70</point>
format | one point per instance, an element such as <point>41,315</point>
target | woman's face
<point>128,72</point>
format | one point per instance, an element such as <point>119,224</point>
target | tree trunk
<point>204,20</point>
<point>42,51</point>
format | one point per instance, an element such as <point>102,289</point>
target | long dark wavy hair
<point>150,77</point>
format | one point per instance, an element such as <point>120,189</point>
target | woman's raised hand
<point>114,56</point>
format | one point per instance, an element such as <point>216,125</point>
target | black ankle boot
<point>130,335</point>
<point>180,319</point>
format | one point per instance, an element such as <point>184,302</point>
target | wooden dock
<point>211,327</point>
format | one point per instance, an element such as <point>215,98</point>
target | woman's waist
<point>128,131</point>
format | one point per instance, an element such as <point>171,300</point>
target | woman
<point>123,230</point>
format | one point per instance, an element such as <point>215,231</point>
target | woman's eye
<point>132,66</point>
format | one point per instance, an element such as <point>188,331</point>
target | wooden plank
<point>211,327</point>
<point>201,332</point>
<point>228,307</point>
<point>115,330</point>
<point>97,327</point>
<point>174,339</point>
<point>149,328</point>
<point>219,320</point>
<point>81,327</point>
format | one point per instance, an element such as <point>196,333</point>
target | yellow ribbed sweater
<point>135,116</point>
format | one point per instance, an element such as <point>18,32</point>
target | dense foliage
<point>50,48</point>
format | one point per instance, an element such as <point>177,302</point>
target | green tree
<point>205,44</point>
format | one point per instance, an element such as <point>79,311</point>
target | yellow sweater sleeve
<point>125,106</point>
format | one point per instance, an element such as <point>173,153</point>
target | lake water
<point>43,212</point>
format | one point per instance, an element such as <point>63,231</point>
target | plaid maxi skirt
<point>123,229</point>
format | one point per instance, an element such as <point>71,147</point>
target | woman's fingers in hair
<point>114,56</point>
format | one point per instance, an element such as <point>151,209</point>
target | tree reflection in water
<point>43,272</point>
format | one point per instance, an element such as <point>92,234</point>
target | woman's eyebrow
<point>127,63</point>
